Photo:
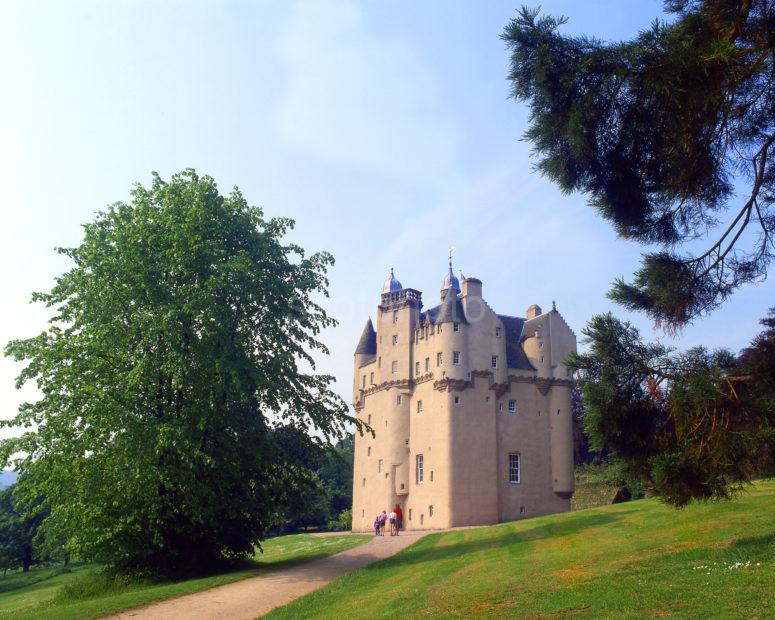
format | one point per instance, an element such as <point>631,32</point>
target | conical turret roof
<point>368,343</point>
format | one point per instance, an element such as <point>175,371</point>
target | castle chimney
<point>471,287</point>
<point>533,311</point>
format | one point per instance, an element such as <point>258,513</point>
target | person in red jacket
<point>399,518</point>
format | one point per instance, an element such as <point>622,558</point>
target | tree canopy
<point>177,362</point>
<point>692,425</point>
<point>657,130</point>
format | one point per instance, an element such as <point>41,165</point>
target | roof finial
<point>451,252</point>
<point>554,307</point>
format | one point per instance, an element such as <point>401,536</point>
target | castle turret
<point>364,353</point>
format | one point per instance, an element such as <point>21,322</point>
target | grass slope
<point>639,559</point>
<point>85,592</point>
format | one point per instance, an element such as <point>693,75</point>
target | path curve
<point>255,596</point>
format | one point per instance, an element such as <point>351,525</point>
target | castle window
<point>398,399</point>
<point>395,340</point>
<point>430,511</point>
<point>395,316</point>
<point>431,475</point>
<point>379,466</point>
<point>364,381</point>
<point>363,483</point>
<point>542,359</point>
<point>368,451</point>
<point>417,368</point>
<point>514,467</point>
<point>494,362</point>
<point>371,378</point>
<point>419,469</point>
<point>427,364</point>
<point>439,359</point>
<point>426,331</point>
<point>379,362</point>
<point>457,400</point>
<point>456,358</point>
<point>419,406</point>
<point>438,328</point>
<point>394,367</point>
<point>512,406</point>
<point>410,514</point>
<point>455,327</point>
<point>500,406</point>
<point>541,344</point>
<point>369,421</point>
<point>497,332</point>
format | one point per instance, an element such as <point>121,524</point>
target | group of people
<point>395,519</point>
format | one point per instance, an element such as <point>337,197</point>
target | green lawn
<point>83,591</point>
<point>632,560</point>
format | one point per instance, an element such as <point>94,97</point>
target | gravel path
<point>253,597</point>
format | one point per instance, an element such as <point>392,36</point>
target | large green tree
<point>691,425</point>
<point>179,348</point>
<point>656,131</point>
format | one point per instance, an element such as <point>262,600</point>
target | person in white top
<point>393,528</point>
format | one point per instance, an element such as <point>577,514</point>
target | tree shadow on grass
<point>429,550</point>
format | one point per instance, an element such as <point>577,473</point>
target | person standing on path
<point>376,525</point>
<point>382,519</point>
<point>392,519</point>
<point>399,518</point>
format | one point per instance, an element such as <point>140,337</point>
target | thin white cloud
<point>361,98</point>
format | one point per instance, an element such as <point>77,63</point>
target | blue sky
<point>327,112</point>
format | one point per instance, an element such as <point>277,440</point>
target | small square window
<point>494,361</point>
<point>512,406</point>
<point>456,358</point>
<point>419,406</point>
<point>394,367</point>
<point>457,400</point>
<point>439,359</point>
<point>497,332</point>
<point>455,327</point>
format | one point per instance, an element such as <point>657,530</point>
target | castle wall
<point>465,445</point>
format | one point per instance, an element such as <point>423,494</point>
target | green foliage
<point>655,130</point>
<point>18,532</point>
<point>343,521</point>
<point>174,401</point>
<point>688,426</point>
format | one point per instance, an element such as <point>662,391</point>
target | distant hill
<point>7,478</point>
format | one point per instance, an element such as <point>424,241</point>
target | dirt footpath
<point>255,596</point>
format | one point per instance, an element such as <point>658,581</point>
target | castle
<point>471,410</point>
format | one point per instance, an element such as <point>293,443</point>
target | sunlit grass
<point>632,560</point>
<point>86,591</point>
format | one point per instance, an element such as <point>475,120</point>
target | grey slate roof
<point>515,354</point>
<point>448,311</point>
<point>368,342</point>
